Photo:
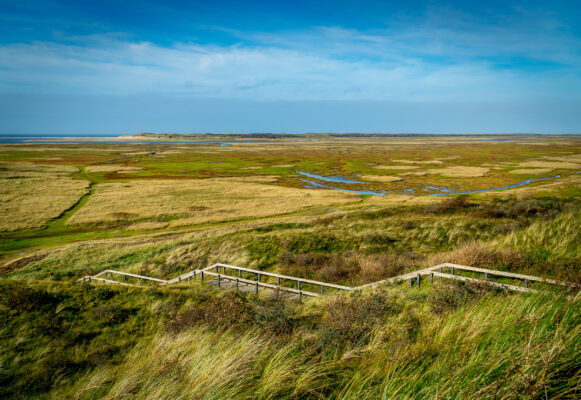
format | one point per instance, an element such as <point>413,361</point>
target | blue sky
<point>116,67</point>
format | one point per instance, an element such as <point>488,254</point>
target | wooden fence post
<point>440,272</point>
<point>411,282</point>
<point>452,270</point>
<point>218,280</point>
<point>431,278</point>
<point>418,280</point>
<point>321,289</point>
<point>237,283</point>
<point>256,288</point>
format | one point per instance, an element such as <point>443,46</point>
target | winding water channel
<point>441,190</point>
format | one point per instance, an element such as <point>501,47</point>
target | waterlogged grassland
<point>147,188</point>
<point>164,209</point>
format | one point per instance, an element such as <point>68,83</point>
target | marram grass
<point>493,347</point>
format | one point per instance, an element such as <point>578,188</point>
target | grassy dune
<point>448,341</point>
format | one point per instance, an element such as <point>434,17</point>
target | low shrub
<point>276,317</point>
<point>228,310</point>
<point>351,319</point>
<point>450,204</point>
<point>449,296</point>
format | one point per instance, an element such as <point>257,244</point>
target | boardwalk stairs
<point>252,280</point>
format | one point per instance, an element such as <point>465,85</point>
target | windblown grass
<point>446,341</point>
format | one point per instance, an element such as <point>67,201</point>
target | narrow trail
<point>59,223</point>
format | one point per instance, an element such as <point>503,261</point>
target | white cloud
<point>423,62</point>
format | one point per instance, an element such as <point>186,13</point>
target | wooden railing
<point>226,279</point>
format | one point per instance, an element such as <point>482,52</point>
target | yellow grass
<point>188,202</point>
<point>381,178</point>
<point>396,167</point>
<point>460,171</point>
<point>550,164</point>
<point>569,158</point>
<point>531,171</point>
<point>414,173</point>
<point>18,167</point>
<point>29,198</point>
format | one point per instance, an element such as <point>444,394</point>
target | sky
<point>122,67</point>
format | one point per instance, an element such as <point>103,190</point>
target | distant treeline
<point>315,135</point>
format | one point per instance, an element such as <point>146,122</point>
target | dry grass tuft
<point>480,255</point>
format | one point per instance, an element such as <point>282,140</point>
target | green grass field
<point>162,209</point>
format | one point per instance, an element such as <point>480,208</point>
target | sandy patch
<point>531,171</point>
<point>255,167</point>
<point>419,162</point>
<point>381,178</point>
<point>415,173</point>
<point>283,166</point>
<point>396,167</point>
<point>256,178</point>
<point>550,164</point>
<point>460,171</point>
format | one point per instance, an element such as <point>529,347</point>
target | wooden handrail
<point>433,271</point>
<point>263,284</point>
<point>131,275</point>
<point>502,285</point>
<point>287,277</point>
<point>503,273</point>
